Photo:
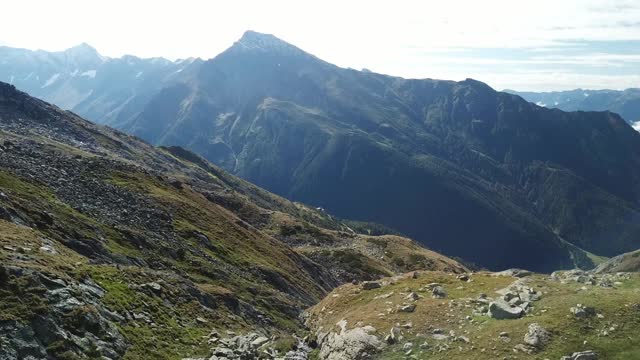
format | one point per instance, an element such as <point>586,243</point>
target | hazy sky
<point>522,45</point>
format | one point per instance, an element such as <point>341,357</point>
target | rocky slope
<point>624,102</point>
<point>569,315</point>
<point>625,262</point>
<point>112,248</point>
<point>469,171</point>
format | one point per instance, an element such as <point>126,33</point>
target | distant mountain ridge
<point>624,102</point>
<point>105,90</point>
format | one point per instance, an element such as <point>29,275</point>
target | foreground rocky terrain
<point>113,249</point>
<point>568,315</point>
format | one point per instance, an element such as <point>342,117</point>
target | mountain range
<point>466,170</point>
<point>82,80</point>
<point>626,103</point>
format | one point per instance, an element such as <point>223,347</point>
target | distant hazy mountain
<point>106,90</point>
<point>469,171</point>
<point>97,216</point>
<point>626,102</point>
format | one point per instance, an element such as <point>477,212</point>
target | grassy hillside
<point>453,328</point>
<point>111,247</point>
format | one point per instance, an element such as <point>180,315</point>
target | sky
<point>538,45</point>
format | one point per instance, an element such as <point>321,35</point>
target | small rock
<point>408,308</point>
<point>583,355</point>
<point>464,339</point>
<point>259,341</point>
<point>412,296</point>
<point>154,286</point>
<point>439,292</point>
<point>408,325</point>
<point>581,311</point>
<point>440,337</point>
<point>537,336</point>
<point>384,296</point>
<point>524,348</point>
<point>370,285</point>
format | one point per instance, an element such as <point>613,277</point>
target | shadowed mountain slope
<point>467,170</point>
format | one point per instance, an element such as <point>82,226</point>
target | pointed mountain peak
<point>258,42</point>
<point>82,48</point>
<point>84,51</point>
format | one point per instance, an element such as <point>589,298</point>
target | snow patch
<point>556,103</point>
<point>540,103</point>
<point>28,76</point>
<point>636,126</point>
<point>74,73</point>
<point>91,74</point>
<point>51,80</point>
<point>139,74</point>
<point>11,80</point>
<point>585,94</point>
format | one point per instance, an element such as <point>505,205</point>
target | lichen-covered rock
<point>72,314</point>
<point>537,336</point>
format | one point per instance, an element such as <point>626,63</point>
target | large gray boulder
<point>501,310</point>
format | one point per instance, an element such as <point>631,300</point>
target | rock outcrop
<point>357,343</point>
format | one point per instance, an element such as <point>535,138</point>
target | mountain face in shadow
<point>476,173</point>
